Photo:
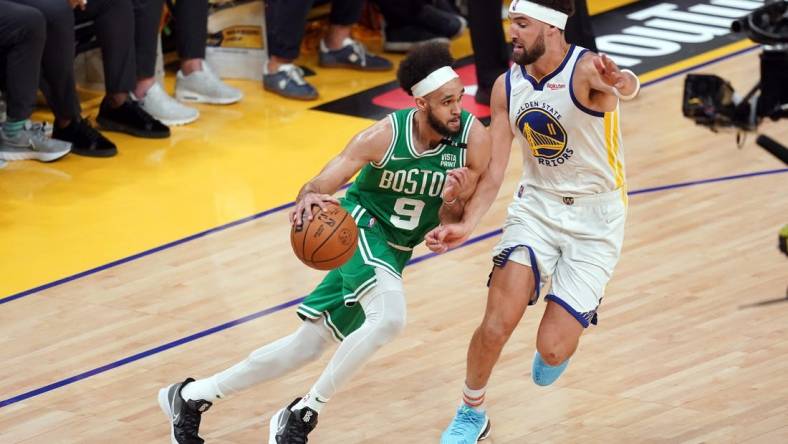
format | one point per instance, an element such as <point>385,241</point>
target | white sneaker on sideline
<point>164,108</point>
<point>205,87</point>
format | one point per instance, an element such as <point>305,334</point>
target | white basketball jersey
<point>568,149</point>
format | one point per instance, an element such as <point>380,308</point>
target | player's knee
<point>387,324</point>
<point>391,326</point>
<point>495,333</point>
<point>553,357</point>
<point>553,352</point>
<point>312,352</point>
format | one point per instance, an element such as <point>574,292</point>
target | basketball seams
<point>314,252</point>
<point>344,252</point>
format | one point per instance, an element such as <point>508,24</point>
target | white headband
<point>539,12</point>
<point>433,81</point>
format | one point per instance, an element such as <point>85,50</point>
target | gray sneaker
<point>184,415</point>
<point>205,87</point>
<point>32,143</point>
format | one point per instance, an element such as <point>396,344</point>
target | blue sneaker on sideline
<point>467,427</point>
<point>288,81</point>
<point>352,55</point>
<point>544,374</point>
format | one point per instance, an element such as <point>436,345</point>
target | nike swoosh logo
<point>282,422</point>
<point>400,158</point>
<point>172,410</point>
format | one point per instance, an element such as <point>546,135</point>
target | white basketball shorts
<point>574,240</point>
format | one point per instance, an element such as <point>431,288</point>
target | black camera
<point>711,101</point>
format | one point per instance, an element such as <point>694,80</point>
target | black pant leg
<point>22,39</point>
<point>490,52</point>
<point>399,13</point>
<point>345,12</point>
<point>147,17</point>
<point>285,25</point>
<point>57,65</point>
<point>579,29</point>
<point>191,28</point>
<point>114,22</point>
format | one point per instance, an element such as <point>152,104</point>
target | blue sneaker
<point>288,81</point>
<point>353,55</point>
<point>544,374</point>
<point>467,427</point>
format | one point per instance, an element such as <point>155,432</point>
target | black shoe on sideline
<point>130,118</point>
<point>404,38</point>
<point>85,140</point>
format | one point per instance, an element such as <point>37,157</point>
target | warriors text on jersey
<point>568,149</point>
<point>403,191</point>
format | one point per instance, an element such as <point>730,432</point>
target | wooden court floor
<point>692,344</point>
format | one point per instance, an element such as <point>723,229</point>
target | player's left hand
<point>609,72</point>
<point>445,237</point>
<point>457,181</point>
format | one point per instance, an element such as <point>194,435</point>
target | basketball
<point>328,241</point>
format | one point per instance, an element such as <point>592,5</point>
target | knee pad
<point>385,307</point>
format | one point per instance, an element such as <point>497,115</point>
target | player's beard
<point>440,127</point>
<point>530,56</point>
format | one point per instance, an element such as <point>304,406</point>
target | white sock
<point>312,400</point>
<point>474,398</point>
<point>205,389</point>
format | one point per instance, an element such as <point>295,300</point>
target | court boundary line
<point>276,209</point>
<point>276,308</point>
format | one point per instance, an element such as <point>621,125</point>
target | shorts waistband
<point>584,199</point>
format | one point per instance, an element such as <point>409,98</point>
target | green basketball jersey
<point>403,191</point>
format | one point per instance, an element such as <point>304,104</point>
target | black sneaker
<point>85,140</point>
<point>291,427</point>
<point>184,415</point>
<point>130,118</point>
<point>404,38</point>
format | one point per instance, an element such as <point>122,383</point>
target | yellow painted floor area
<point>78,213</point>
<point>65,217</point>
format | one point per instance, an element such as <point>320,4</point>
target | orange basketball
<point>328,241</point>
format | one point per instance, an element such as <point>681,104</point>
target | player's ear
<point>421,103</point>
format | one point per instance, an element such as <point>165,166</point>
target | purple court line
<point>133,257</point>
<point>192,237</point>
<point>282,306</point>
<point>700,65</point>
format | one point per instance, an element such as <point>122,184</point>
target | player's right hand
<point>305,207</point>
